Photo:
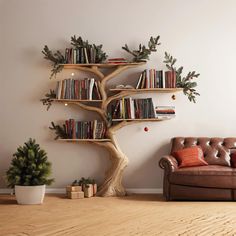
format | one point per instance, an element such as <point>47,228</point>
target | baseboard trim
<point>144,190</point>
<point>62,190</point>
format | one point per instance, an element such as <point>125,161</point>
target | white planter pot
<point>30,194</point>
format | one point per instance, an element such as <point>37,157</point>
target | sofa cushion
<point>233,160</point>
<point>192,156</point>
<point>216,151</point>
<point>213,176</point>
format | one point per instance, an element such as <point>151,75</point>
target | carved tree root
<point>112,186</point>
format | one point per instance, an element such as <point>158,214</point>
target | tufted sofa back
<point>216,150</point>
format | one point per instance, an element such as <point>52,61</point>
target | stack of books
<point>86,89</point>
<point>85,129</point>
<point>81,55</point>
<point>129,108</point>
<point>154,79</point>
<point>117,60</point>
<point>165,112</point>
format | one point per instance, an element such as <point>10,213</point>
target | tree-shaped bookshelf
<point>112,185</point>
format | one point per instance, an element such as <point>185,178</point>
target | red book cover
<point>83,89</point>
<point>73,131</point>
<point>174,79</point>
<point>67,128</point>
<point>79,88</point>
<point>169,79</point>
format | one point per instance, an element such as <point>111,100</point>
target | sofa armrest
<point>169,163</point>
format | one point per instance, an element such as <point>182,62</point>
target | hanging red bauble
<point>146,129</point>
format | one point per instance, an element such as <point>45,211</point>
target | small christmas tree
<point>30,166</point>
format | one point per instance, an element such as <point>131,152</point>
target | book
<point>86,60</point>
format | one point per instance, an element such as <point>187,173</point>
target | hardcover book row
<point>155,79</point>
<point>80,55</point>
<point>86,89</point>
<point>84,129</point>
<point>129,108</point>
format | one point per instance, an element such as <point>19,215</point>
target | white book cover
<point>164,79</point>
<point>139,81</point>
<point>132,114</point>
<point>91,85</point>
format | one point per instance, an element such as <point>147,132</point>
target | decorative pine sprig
<point>60,131</point>
<point>184,82</point>
<point>47,101</point>
<point>142,53</point>
<point>56,58</point>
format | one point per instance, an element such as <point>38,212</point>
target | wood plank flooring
<point>132,215</point>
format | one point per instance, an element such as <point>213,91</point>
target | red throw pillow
<point>192,156</point>
<point>233,159</point>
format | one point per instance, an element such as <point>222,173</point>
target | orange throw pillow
<point>192,156</point>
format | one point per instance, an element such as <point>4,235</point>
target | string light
<point>72,74</point>
<point>66,104</point>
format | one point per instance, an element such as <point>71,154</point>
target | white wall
<point>201,34</point>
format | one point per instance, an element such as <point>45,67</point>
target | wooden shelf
<point>102,65</point>
<point>84,140</point>
<point>160,90</point>
<point>75,100</point>
<point>148,119</point>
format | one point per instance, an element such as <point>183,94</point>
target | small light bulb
<point>66,104</point>
<point>72,74</point>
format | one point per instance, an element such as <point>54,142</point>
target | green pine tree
<point>30,166</point>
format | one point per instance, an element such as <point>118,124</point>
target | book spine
<point>86,56</point>
<point>77,56</point>
<point>74,56</point>
<point>91,86</point>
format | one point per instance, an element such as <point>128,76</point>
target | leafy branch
<point>143,52</point>
<point>56,58</point>
<point>47,101</point>
<point>184,82</point>
<point>100,55</point>
<point>60,131</point>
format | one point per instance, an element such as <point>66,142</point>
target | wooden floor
<point>133,215</point>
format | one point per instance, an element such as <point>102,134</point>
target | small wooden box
<point>75,195</point>
<point>73,188</point>
<point>88,191</point>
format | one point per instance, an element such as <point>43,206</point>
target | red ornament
<point>146,129</point>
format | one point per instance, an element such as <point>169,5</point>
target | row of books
<point>86,89</point>
<point>81,55</point>
<point>85,129</point>
<point>129,108</point>
<point>154,79</point>
<point>165,111</point>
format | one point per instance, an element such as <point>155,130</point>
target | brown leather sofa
<point>217,181</point>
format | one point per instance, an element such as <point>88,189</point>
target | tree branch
<point>117,71</point>
<point>121,124</point>
<point>91,108</point>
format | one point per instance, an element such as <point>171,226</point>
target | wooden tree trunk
<point>112,186</point>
